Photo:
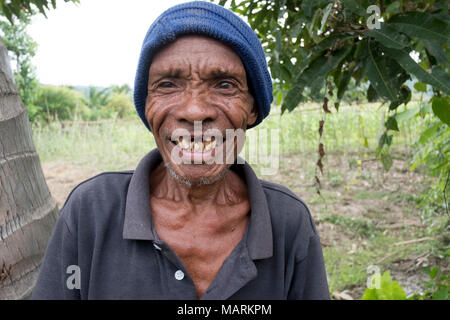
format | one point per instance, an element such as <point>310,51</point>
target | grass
<point>108,145</point>
<point>354,226</point>
<point>351,271</point>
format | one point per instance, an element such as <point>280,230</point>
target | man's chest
<point>201,244</point>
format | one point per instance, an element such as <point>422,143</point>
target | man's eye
<point>225,85</point>
<point>165,84</point>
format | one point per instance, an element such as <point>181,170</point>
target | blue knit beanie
<point>205,18</point>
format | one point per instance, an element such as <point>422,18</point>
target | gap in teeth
<point>209,143</point>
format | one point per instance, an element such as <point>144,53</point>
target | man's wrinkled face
<point>197,86</point>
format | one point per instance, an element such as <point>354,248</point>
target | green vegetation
<point>110,144</point>
<point>356,226</point>
<point>355,128</point>
<point>21,49</point>
<point>384,288</point>
<point>388,289</point>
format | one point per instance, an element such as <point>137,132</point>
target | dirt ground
<point>351,188</point>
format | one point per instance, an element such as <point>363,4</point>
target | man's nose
<point>195,107</point>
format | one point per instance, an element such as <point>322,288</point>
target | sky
<point>96,42</point>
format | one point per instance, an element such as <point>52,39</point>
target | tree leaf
<point>439,80</point>
<point>393,7</point>
<point>386,161</point>
<point>372,94</point>
<point>313,76</point>
<point>407,114</point>
<point>355,7</point>
<point>385,139</point>
<point>441,108</point>
<point>389,37</point>
<point>378,75</point>
<point>343,83</point>
<point>293,97</point>
<point>428,133</point>
<point>435,49</point>
<point>326,14</point>
<point>404,96</point>
<point>388,290</point>
<point>420,86</point>
<point>434,272</point>
<point>391,123</point>
<point>441,294</point>
<point>421,25</point>
<point>307,6</point>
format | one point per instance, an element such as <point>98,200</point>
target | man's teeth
<point>196,146</point>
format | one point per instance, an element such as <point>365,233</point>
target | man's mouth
<point>196,144</point>
<point>199,149</point>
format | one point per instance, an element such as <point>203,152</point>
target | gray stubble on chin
<point>188,183</point>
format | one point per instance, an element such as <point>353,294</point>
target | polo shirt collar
<point>138,223</point>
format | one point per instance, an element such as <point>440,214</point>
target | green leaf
<point>355,7</point>
<point>420,86</point>
<point>407,114</point>
<point>389,37</point>
<point>441,294</point>
<point>393,7</point>
<point>313,76</point>
<point>385,139</point>
<point>293,97</point>
<point>428,133</point>
<point>7,13</point>
<point>389,290</point>
<point>326,14</point>
<point>391,123</point>
<point>372,94</point>
<point>343,84</point>
<point>279,98</point>
<point>434,272</point>
<point>378,74</point>
<point>441,108</point>
<point>435,49</point>
<point>404,96</point>
<point>421,25</point>
<point>386,161</point>
<point>438,78</point>
<point>307,6</point>
<point>366,142</point>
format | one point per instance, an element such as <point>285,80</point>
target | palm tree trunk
<point>27,210</point>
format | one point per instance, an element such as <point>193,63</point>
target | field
<point>365,216</point>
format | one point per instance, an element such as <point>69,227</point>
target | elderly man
<point>188,223</point>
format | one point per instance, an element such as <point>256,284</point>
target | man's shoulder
<point>105,185</point>
<point>287,207</point>
<point>283,192</point>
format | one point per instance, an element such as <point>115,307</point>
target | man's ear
<point>253,114</point>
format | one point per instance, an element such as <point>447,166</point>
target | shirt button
<point>179,275</point>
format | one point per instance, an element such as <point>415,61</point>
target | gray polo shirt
<point>104,246</point>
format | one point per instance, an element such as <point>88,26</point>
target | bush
<point>54,102</point>
<point>120,105</point>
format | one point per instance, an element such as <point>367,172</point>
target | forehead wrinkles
<point>197,54</point>
<point>197,68</point>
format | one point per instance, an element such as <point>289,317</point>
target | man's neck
<point>227,191</point>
